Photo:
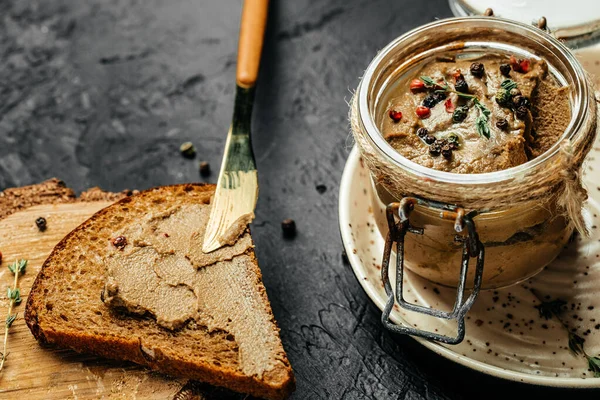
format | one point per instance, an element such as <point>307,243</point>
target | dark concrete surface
<point>104,92</point>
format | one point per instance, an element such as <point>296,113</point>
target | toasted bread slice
<point>65,307</point>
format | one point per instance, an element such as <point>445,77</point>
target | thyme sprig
<point>14,298</point>
<point>430,83</point>
<point>482,121</point>
<point>552,308</point>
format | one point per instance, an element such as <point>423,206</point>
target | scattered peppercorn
<point>41,224</point>
<point>505,69</point>
<point>453,140</point>
<point>396,116</point>
<point>459,82</point>
<point>502,124</point>
<point>321,188</point>
<point>519,101</point>
<point>204,168</point>
<point>522,112</point>
<point>460,114</point>
<point>422,132</point>
<point>417,85</point>
<point>119,242</point>
<point>462,86</point>
<point>520,65</point>
<point>447,152</point>
<point>345,259</point>
<point>503,98</point>
<point>288,226</point>
<point>435,149</point>
<point>433,98</point>
<point>477,70</point>
<point>0,257</point>
<point>187,150</point>
<point>449,106</point>
<point>423,112</point>
<point>429,139</point>
<point>488,12</point>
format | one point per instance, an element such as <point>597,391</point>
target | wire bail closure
<point>472,248</point>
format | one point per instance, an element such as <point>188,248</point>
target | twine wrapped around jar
<point>558,179</point>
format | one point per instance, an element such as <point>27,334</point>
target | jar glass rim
<point>578,109</point>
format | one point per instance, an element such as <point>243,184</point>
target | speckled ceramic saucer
<point>505,334</point>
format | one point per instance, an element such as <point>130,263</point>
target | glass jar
<point>521,235</point>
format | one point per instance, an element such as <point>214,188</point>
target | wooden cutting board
<point>35,372</point>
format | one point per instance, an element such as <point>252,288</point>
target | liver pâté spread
<point>157,268</point>
<point>475,116</point>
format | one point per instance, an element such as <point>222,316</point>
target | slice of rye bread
<point>64,307</point>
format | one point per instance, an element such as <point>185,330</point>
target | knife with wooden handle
<point>237,187</point>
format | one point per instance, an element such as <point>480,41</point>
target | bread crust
<point>276,384</point>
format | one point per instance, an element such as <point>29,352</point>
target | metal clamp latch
<point>472,247</point>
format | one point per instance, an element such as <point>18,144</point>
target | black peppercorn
<point>288,226</point>
<point>477,70</point>
<point>522,112</point>
<point>521,101</point>
<point>345,259</point>
<point>429,101</point>
<point>502,124</point>
<point>461,86</point>
<point>447,152</point>
<point>187,150</point>
<point>517,101</point>
<point>433,98</point>
<point>429,139</point>
<point>440,96</point>
<point>119,242</point>
<point>435,150</point>
<point>422,132</point>
<point>41,223</point>
<point>204,168</point>
<point>505,69</point>
<point>460,114</point>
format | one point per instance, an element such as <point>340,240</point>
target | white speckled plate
<point>505,335</point>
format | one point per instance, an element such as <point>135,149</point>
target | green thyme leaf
<point>427,80</point>
<point>10,319</point>
<point>15,295</point>
<point>430,83</point>
<point>508,85</point>
<point>18,265</point>
<point>594,365</point>
<point>482,122</point>
<point>482,126</point>
<point>576,343</point>
<point>484,110</point>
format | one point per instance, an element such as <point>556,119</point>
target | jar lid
<point>577,22</point>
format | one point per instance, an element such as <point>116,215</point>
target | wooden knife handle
<point>252,32</point>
